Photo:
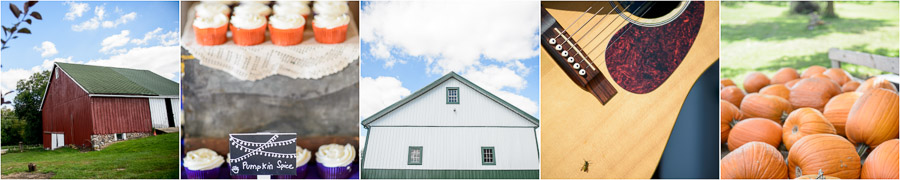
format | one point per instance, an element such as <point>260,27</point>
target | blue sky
<point>407,45</point>
<point>140,35</point>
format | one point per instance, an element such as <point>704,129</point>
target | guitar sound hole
<point>659,8</point>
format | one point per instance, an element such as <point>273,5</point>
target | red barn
<point>91,106</point>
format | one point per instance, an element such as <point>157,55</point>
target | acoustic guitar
<point>614,76</point>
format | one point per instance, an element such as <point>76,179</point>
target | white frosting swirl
<point>303,156</point>
<point>248,21</point>
<point>202,159</point>
<point>209,9</point>
<point>328,21</point>
<point>291,7</point>
<point>284,1</point>
<point>211,22</point>
<point>334,155</point>
<point>331,7</point>
<point>282,21</point>
<point>253,8</point>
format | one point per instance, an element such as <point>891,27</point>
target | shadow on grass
<point>821,59</point>
<point>788,27</point>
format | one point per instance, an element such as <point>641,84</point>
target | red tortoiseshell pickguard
<point>640,58</point>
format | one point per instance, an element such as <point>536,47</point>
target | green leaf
<point>28,21</point>
<point>25,31</point>
<point>13,29</point>
<point>14,37</point>
<point>4,47</point>
<point>15,10</point>
<point>4,41</point>
<point>36,15</point>
<point>30,3</point>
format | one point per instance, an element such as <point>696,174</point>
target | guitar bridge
<point>573,60</point>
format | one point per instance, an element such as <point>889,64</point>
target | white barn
<point>451,129</point>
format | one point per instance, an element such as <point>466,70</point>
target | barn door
<point>169,113</point>
<point>53,141</point>
<point>61,139</point>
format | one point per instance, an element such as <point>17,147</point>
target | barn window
<point>120,136</point>
<point>487,156</point>
<point>452,95</point>
<point>415,155</point>
<point>57,73</point>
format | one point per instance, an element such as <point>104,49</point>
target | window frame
<point>493,155</point>
<point>409,160</point>
<point>448,95</point>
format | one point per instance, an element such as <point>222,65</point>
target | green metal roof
<point>119,81</point>
<point>437,82</point>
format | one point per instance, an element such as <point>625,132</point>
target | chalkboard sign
<point>263,154</point>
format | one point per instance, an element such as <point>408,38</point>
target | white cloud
<point>457,42</point>
<point>168,39</point>
<point>48,63</point>
<point>47,49</point>
<point>97,21</point>
<point>76,10</point>
<point>110,43</point>
<point>11,77</point>
<point>162,60</point>
<point>379,93</point>
<point>383,52</point>
<point>498,80</point>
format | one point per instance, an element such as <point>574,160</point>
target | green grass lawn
<point>146,158</point>
<point>763,37</point>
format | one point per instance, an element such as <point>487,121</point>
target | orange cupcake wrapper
<point>248,37</point>
<point>330,36</point>
<point>286,37</point>
<point>211,36</point>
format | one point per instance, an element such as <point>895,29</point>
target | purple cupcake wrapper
<point>301,173</point>
<point>202,174</point>
<point>340,172</point>
<point>243,176</point>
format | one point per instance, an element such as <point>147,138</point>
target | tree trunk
<point>829,10</point>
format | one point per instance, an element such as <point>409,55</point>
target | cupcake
<point>253,8</point>
<point>331,7</point>
<point>330,29</point>
<point>303,157</point>
<point>286,30</point>
<point>291,8</point>
<point>210,31</point>
<point>334,161</point>
<point>248,29</point>
<point>210,9</point>
<point>235,176</point>
<point>202,164</point>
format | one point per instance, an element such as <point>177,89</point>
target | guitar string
<point>567,38</point>
<point>617,38</point>
<point>573,22</point>
<point>595,25</point>
<point>604,39</point>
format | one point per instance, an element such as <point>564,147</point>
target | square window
<point>488,156</point>
<point>415,155</point>
<point>452,95</point>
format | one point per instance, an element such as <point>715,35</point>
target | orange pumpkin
<point>837,109</point>
<point>816,176</point>
<point>813,92</point>
<point>803,122</point>
<point>784,75</point>
<point>876,82</point>
<point>726,82</point>
<point>812,70</point>
<point>882,163</point>
<point>790,84</point>
<point>754,129</point>
<point>777,90</point>
<point>766,106</point>
<point>850,86</point>
<point>730,113</point>
<point>837,75</point>
<point>873,119</point>
<point>755,81</point>
<point>754,160</point>
<point>830,153</point>
<point>732,94</point>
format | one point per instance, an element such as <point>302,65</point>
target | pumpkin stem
<point>784,116</point>
<point>821,174</point>
<point>798,172</point>
<point>794,130</point>
<point>733,122</point>
<point>861,149</point>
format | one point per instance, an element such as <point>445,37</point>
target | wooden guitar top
<point>626,137</point>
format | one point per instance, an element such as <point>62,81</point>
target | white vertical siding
<point>158,115</point>
<point>176,110</point>
<point>452,148</point>
<point>431,109</point>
